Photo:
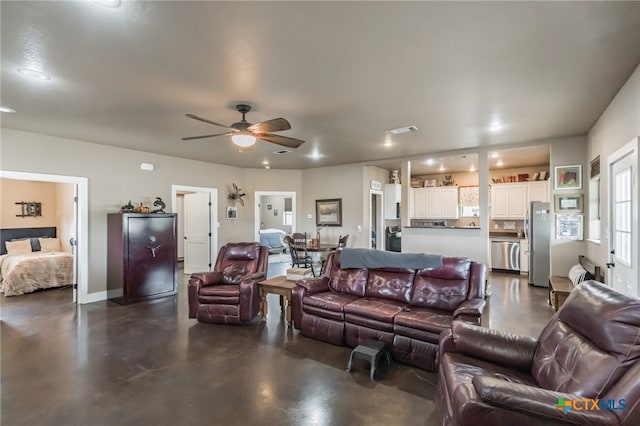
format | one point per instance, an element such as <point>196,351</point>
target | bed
<point>31,259</point>
<point>272,239</point>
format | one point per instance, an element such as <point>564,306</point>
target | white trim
<point>96,297</point>
<point>632,147</point>
<point>380,236</point>
<point>82,225</point>
<point>214,224</point>
<point>256,198</point>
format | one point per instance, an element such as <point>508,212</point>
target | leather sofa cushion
<point>390,283</point>
<point>328,300</point>
<point>348,281</point>
<point>242,251</point>
<point>378,309</point>
<point>590,345</point>
<point>220,294</point>
<point>368,322</point>
<point>415,333</point>
<point>424,319</point>
<point>234,270</point>
<point>443,288</point>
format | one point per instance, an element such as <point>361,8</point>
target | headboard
<point>23,233</point>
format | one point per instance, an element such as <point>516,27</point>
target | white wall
<point>618,125</point>
<point>65,214</point>
<point>334,182</point>
<point>115,178</point>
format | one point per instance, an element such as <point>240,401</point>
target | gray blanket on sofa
<point>375,259</point>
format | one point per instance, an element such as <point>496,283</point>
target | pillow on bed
<point>18,247</point>
<point>49,244</point>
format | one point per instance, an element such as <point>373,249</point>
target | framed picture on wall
<point>329,212</point>
<point>232,212</point>
<point>568,177</point>
<point>570,203</point>
<point>569,227</point>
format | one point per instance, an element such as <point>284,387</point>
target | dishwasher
<point>505,254</point>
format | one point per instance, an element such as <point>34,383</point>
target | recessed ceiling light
<point>7,109</point>
<point>282,151</point>
<point>265,162</point>
<point>442,169</point>
<point>388,142</point>
<point>34,74</point>
<point>495,155</point>
<point>430,162</point>
<point>472,168</point>
<point>496,126</point>
<point>315,155</point>
<point>499,163</point>
<point>267,167</point>
<point>405,129</point>
<point>107,3</point>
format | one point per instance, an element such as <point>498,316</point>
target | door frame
<point>379,227</point>
<point>256,197</point>
<point>82,226</point>
<point>630,148</point>
<point>214,225</point>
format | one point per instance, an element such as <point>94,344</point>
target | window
<point>287,214</point>
<point>594,200</point>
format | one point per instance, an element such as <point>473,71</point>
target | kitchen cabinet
<point>538,191</point>
<point>511,200</point>
<point>508,201</point>
<point>524,256</point>
<point>392,194</point>
<point>435,203</point>
<point>142,256</point>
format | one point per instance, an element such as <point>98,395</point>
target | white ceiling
<point>342,73</point>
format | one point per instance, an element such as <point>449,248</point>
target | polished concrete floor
<point>148,364</point>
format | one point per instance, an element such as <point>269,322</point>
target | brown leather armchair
<point>229,293</point>
<point>584,368</point>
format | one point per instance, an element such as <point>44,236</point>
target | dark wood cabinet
<point>142,256</point>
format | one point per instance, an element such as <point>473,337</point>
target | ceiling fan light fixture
<point>243,139</point>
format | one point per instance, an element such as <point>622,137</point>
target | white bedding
<point>25,273</point>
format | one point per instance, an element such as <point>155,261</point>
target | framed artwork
<point>232,212</point>
<point>269,206</point>
<point>568,177</point>
<point>569,227</point>
<point>275,212</point>
<point>570,203</point>
<point>329,212</point>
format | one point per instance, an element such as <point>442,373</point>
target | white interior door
<point>623,220</point>
<point>73,242</point>
<point>197,232</point>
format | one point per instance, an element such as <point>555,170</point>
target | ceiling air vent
<point>405,129</point>
<point>282,151</point>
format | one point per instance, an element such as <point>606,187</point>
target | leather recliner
<point>229,293</point>
<point>584,368</point>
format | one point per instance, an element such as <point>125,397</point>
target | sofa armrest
<point>315,285</point>
<point>540,403</point>
<point>249,297</point>
<point>470,308</point>
<point>495,346</point>
<point>207,278</point>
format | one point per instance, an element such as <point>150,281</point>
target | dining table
<point>319,252</point>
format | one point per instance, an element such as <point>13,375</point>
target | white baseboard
<point>94,297</point>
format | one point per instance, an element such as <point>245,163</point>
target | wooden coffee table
<point>280,286</point>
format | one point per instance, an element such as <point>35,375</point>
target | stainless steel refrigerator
<point>538,232</point>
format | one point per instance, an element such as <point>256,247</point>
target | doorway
<point>197,210</point>
<point>74,229</point>
<point>623,219</point>
<point>376,220</point>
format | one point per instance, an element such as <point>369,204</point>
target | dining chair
<point>299,256</point>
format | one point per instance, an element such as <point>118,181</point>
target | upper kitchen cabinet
<point>518,176</point>
<point>434,203</point>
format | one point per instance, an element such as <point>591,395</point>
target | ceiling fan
<point>244,134</point>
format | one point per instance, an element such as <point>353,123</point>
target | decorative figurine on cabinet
<point>160,205</point>
<point>127,208</point>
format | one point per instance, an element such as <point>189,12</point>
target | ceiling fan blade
<point>195,117</point>
<point>190,138</point>
<point>275,125</point>
<point>280,140</point>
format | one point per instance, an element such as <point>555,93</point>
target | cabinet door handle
<point>154,250</point>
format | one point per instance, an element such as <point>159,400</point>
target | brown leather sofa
<point>583,369</point>
<point>405,308</point>
<point>229,293</point>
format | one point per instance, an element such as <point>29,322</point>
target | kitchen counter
<point>506,234</point>
<point>443,227</point>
